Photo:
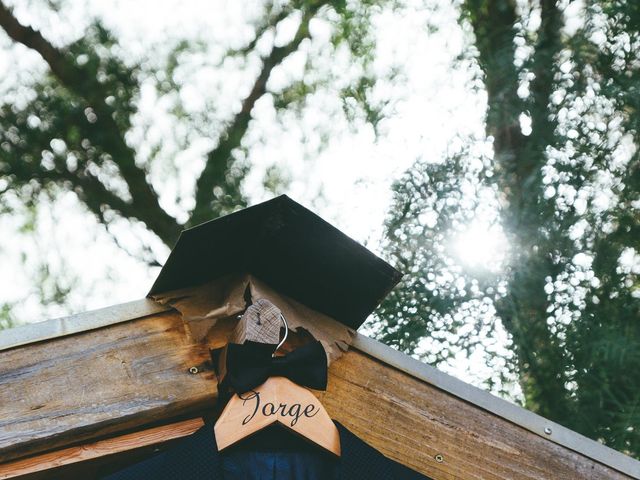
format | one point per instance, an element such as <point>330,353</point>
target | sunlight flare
<point>481,245</point>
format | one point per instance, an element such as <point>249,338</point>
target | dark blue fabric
<point>277,465</point>
<point>269,456</point>
<point>275,453</point>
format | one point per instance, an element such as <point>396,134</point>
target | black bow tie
<point>250,364</point>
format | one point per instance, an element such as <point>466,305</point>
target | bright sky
<point>348,183</point>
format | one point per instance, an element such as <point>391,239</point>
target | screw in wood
<point>193,370</point>
<point>547,430</point>
<point>439,458</point>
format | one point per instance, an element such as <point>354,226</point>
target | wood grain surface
<point>102,448</point>
<point>83,386</point>
<point>282,401</point>
<point>128,375</point>
<point>442,436</point>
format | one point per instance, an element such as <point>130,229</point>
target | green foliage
<point>564,191</point>
<point>6,317</point>
<point>568,194</point>
<point>54,136</point>
<point>276,180</point>
<point>79,126</point>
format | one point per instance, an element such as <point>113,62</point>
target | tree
<point>562,180</point>
<point>72,128</point>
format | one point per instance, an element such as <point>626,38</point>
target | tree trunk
<point>518,161</point>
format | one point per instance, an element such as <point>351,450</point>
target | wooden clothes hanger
<point>278,400</point>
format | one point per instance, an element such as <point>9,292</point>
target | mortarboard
<point>289,248</point>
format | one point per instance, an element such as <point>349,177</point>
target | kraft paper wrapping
<point>202,306</point>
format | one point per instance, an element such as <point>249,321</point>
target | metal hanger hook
<point>286,333</point>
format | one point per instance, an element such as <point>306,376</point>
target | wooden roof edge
<point>81,322</point>
<point>91,320</point>
<point>509,411</point>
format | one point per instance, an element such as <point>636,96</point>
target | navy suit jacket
<point>196,457</point>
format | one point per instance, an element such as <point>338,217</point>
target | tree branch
<point>271,21</point>
<point>145,205</point>
<point>34,40</point>
<point>220,158</point>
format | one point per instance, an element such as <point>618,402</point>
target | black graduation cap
<point>292,250</point>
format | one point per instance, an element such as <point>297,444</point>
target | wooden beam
<point>80,387</point>
<point>110,446</point>
<point>127,375</point>
<point>57,328</point>
<point>78,323</point>
<point>497,406</point>
<point>440,435</point>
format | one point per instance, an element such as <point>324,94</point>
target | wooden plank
<point>414,423</point>
<point>513,413</point>
<point>81,322</point>
<point>563,436</point>
<point>79,387</point>
<point>99,449</point>
<point>84,386</point>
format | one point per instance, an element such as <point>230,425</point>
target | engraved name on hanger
<point>295,411</point>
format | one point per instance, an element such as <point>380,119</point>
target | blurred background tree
<point>519,243</point>
<point>557,176</point>
<point>75,123</point>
